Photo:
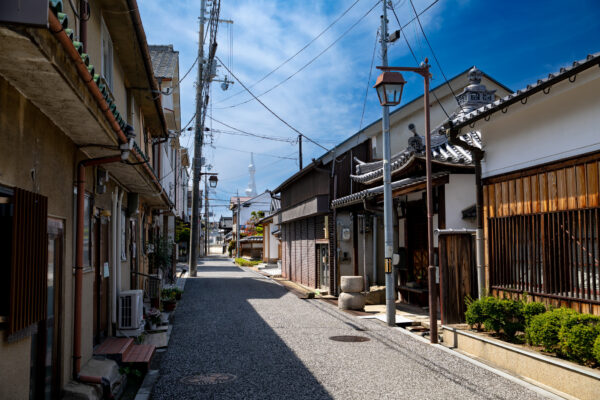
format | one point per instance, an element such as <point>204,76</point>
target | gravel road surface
<point>238,335</point>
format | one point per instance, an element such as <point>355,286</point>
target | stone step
<point>139,354</point>
<point>114,348</point>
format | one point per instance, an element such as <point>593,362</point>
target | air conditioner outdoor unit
<point>131,309</point>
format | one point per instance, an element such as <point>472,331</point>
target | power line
<point>368,81</point>
<point>268,109</point>
<point>246,151</point>
<point>411,50</point>
<point>305,65</point>
<point>433,53</point>
<point>281,139</point>
<point>293,56</point>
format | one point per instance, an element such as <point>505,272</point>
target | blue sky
<point>515,42</point>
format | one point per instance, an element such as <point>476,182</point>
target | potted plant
<point>168,299</point>
<point>153,317</point>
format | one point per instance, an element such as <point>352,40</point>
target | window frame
<point>107,65</point>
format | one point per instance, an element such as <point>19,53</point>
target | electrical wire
<point>413,53</point>
<point>269,110</point>
<point>433,53</point>
<point>188,71</point>
<point>241,132</point>
<point>294,55</point>
<point>362,115</point>
<point>308,63</point>
<point>254,152</point>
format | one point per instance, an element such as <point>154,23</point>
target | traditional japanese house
<point>330,215</point>
<point>541,187</point>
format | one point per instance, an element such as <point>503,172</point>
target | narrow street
<point>260,341</point>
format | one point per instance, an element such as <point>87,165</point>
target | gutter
<point>143,45</point>
<point>58,31</point>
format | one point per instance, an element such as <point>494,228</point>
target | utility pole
<point>206,216</point>
<point>198,142</point>
<point>390,296</point>
<point>300,151</point>
<point>237,229</point>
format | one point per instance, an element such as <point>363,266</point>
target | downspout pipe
<point>79,254</point>
<point>119,244</point>
<point>452,134</point>
<point>83,17</point>
<point>113,255</point>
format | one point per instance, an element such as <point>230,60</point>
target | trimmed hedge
<point>577,336</point>
<point>543,329</point>
<point>505,317</point>
<point>562,331</point>
<point>596,349</point>
<point>246,263</point>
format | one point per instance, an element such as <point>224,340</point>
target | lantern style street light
<point>212,181</point>
<point>389,87</point>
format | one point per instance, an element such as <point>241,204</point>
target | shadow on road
<point>217,331</point>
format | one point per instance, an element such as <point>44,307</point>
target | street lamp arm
<point>423,71</point>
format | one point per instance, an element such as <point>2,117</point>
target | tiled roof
<point>372,192</point>
<point>251,239</point>
<point>164,60</point>
<point>462,120</point>
<point>442,152</point>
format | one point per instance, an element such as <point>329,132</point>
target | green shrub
<point>246,263</point>
<point>596,349</point>
<point>577,336</point>
<point>474,315</point>
<point>512,320</point>
<point>502,316</point>
<point>532,309</point>
<point>543,328</point>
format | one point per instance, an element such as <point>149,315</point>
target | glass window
<point>107,56</point>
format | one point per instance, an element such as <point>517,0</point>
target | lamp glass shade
<point>389,87</point>
<point>212,181</point>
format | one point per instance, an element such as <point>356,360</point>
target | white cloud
<point>324,101</point>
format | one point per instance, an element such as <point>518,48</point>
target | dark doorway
<point>45,350</point>
<point>413,285</point>
<point>323,253</point>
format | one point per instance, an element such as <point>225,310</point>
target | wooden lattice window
<point>554,254</point>
<point>23,226</point>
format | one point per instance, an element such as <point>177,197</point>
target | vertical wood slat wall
<point>299,259</point>
<point>29,261</point>
<point>542,233</point>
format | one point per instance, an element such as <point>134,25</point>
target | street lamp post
<point>389,87</point>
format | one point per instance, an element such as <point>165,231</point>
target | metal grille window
<point>553,254</point>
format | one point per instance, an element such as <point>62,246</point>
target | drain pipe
<point>79,254</point>
<point>374,237</point>
<point>452,134</point>
<point>119,249</point>
<point>83,18</point>
<point>113,254</point>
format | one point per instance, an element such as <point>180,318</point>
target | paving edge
<point>148,383</point>
<point>528,384</point>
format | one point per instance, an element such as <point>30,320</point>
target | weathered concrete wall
<point>32,143</point>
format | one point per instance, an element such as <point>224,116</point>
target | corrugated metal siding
<point>29,260</point>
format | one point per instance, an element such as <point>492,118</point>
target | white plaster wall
<point>460,194</point>
<point>273,243</point>
<point>551,127</point>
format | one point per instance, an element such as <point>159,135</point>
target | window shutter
<point>29,262</point>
